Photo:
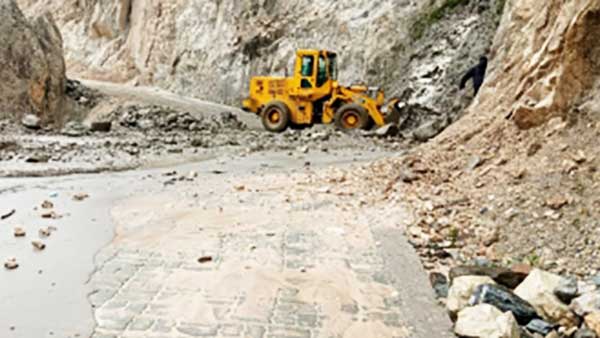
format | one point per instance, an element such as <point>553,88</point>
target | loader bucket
<point>393,112</point>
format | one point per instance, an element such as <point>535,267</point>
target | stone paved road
<point>287,259</point>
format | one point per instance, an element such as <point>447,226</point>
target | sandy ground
<point>288,258</point>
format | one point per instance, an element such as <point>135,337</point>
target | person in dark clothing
<point>476,73</point>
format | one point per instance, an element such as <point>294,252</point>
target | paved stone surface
<point>289,259</point>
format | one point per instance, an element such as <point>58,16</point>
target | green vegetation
<point>430,18</point>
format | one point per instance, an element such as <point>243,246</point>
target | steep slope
<point>32,68</point>
<point>517,178</point>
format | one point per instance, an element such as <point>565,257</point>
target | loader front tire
<point>352,116</point>
<point>275,117</point>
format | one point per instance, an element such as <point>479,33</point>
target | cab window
<point>333,70</point>
<point>322,74</point>
<point>308,63</point>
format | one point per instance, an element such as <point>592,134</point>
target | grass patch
<point>430,18</point>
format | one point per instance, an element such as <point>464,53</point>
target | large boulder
<point>538,289</point>
<point>32,67</point>
<point>462,289</point>
<point>485,321</point>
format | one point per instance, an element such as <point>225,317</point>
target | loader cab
<point>315,73</point>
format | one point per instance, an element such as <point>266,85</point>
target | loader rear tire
<point>275,117</point>
<point>352,116</point>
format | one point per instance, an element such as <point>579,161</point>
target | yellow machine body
<point>313,95</point>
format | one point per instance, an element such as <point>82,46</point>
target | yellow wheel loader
<point>313,95</point>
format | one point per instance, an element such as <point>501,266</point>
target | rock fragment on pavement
<point>38,245</point>
<point>11,264</point>
<point>19,232</point>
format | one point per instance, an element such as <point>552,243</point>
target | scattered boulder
<point>485,321</point>
<point>505,300</point>
<point>31,121</point>
<point>538,289</point>
<point>461,290</point>
<point>507,277</point>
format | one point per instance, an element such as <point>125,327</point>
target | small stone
<point>540,326</point>
<point>45,232</point>
<point>474,163</point>
<point>50,215</point>
<point>80,197</point>
<point>31,121</point>
<point>47,205</point>
<point>579,157</point>
<point>11,264</point>
<point>38,245</point>
<point>103,127</point>
<point>557,202</point>
<point>439,282</point>
<point>19,232</point>
<point>205,259</point>
<point>567,290</point>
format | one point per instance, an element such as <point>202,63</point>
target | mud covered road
<point>232,246</point>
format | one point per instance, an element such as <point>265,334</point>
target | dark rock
<point>440,285</point>
<point>37,158</point>
<point>540,326</point>
<point>103,127</point>
<point>505,300</point>
<point>31,121</point>
<point>502,276</point>
<point>566,290</point>
<point>585,333</point>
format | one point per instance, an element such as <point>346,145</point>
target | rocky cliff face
<point>32,68</point>
<point>210,49</point>
<point>516,179</point>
